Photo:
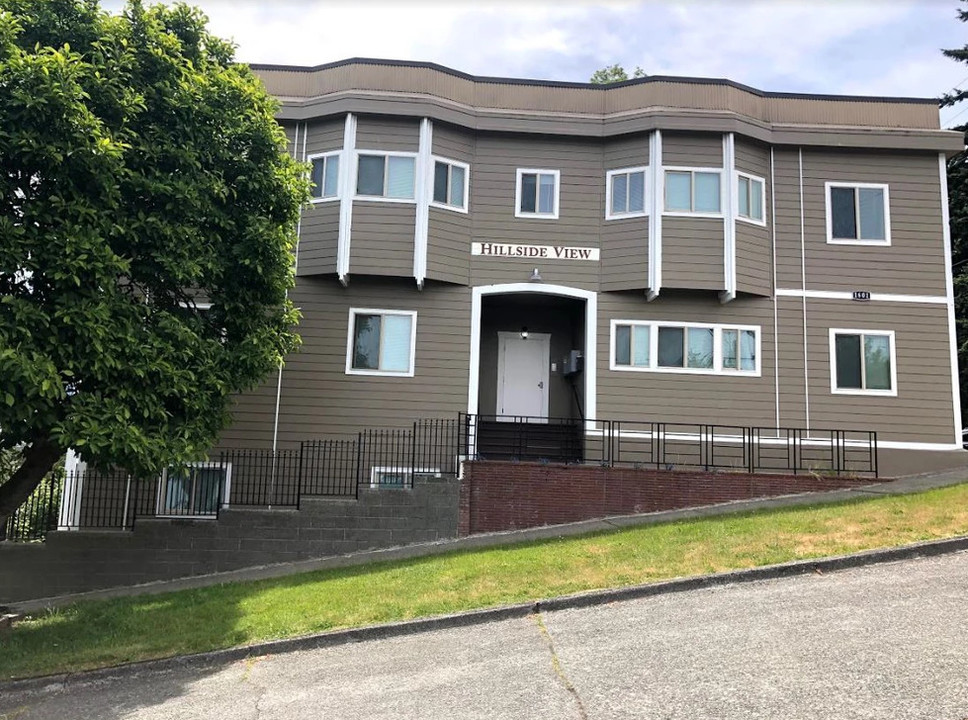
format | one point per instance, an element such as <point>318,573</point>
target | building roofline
<point>587,85</point>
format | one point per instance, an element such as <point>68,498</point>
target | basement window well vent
<point>399,477</point>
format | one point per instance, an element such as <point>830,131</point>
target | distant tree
<point>958,211</point>
<point>613,74</point>
<point>141,169</point>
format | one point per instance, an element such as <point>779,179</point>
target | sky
<point>858,47</point>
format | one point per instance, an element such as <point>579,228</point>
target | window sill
<point>378,198</point>
<point>452,208</point>
<point>380,373</point>
<point>687,371</point>
<point>871,393</point>
<point>626,216</point>
<point>679,213</point>
<point>536,216</point>
<point>868,243</point>
<point>317,201</point>
<point>751,221</point>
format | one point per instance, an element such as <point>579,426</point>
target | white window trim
<point>517,194</point>
<point>406,471</point>
<point>350,370</point>
<point>339,176</point>
<point>716,369</point>
<point>831,240</point>
<point>752,221</point>
<point>609,215</point>
<point>386,169</point>
<point>226,490</point>
<point>683,213</point>
<point>434,159</point>
<point>833,362</point>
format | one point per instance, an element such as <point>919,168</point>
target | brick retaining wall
<point>498,496</point>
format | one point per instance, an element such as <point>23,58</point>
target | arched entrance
<point>533,364</point>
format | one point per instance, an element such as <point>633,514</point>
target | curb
<point>931,548</point>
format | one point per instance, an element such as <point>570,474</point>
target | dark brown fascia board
<point>486,79</point>
<point>596,126</point>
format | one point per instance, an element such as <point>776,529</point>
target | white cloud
<point>824,46</point>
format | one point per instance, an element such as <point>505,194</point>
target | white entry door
<point>522,375</point>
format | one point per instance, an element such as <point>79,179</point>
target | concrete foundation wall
<point>71,562</point>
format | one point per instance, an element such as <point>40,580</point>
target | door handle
<point>541,384</point>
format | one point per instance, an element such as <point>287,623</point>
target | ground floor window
<point>862,361</point>
<point>685,347</point>
<point>196,490</point>
<point>381,342</point>
<point>398,477</point>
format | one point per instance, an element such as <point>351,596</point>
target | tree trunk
<point>39,459</point>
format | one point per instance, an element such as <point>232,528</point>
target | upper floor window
<point>862,362</point>
<point>450,184</point>
<point>858,214</point>
<point>381,342</point>
<point>325,176</point>
<point>685,347</point>
<point>385,175</point>
<point>537,194</point>
<point>625,193</point>
<point>692,191</point>
<point>750,198</point>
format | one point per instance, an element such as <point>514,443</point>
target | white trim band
<point>848,295</point>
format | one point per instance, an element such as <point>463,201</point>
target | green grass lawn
<point>102,633</point>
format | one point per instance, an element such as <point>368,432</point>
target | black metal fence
<point>395,457</point>
<point>671,445</point>
<point>38,515</point>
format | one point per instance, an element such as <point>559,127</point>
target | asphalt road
<point>886,641</point>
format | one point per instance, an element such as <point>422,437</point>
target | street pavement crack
<point>556,665</point>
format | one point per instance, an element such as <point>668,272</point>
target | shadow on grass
<point>123,630</point>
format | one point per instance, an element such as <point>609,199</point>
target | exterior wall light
<point>524,332</point>
<point>535,276</point>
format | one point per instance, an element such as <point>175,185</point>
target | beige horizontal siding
<point>318,239</point>
<point>383,133</point>
<point>914,262</point>
<point>922,410</point>
<point>686,398</point>
<point>786,218</point>
<point>754,245</point>
<point>382,238</point>
<point>692,150</point>
<point>322,136</point>
<point>320,400</point>
<point>581,207</point>
<point>452,142</point>
<point>627,151</point>
<point>625,254</point>
<point>252,416</point>
<point>692,253</point>
<point>448,246</point>
<point>789,354</point>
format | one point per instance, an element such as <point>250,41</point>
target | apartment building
<point>678,249</point>
<point>662,274</point>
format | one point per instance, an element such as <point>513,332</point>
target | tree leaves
<point>140,169</point>
<point>958,215</point>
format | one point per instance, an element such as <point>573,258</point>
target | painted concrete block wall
<point>71,562</point>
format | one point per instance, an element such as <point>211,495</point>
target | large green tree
<point>142,172</point>
<point>613,74</point>
<point>958,211</point>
